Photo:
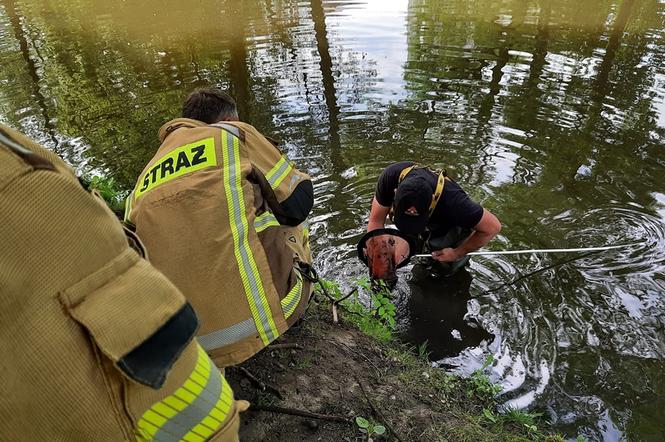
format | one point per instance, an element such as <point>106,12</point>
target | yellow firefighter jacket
<point>221,212</point>
<point>96,344</point>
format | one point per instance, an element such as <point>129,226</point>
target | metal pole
<point>523,252</point>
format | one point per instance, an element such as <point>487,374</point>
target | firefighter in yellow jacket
<point>223,215</point>
<point>96,344</point>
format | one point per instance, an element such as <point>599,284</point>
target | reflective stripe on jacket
<point>210,209</point>
<point>96,343</point>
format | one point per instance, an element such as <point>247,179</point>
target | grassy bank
<point>375,387</point>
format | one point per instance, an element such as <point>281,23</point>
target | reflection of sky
<point>660,199</point>
<point>659,103</point>
<point>376,29</point>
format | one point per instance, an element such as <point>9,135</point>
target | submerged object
<point>384,251</point>
<point>381,260</point>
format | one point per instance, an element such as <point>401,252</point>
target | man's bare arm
<point>486,229</point>
<point>377,216</point>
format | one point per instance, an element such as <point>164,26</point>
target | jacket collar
<point>173,125</point>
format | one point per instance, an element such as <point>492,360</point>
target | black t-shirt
<point>454,209</point>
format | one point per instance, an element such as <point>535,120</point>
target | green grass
<point>376,319</point>
<point>108,189</point>
<point>470,405</point>
<point>304,362</point>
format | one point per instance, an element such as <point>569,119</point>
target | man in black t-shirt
<point>450,223</point>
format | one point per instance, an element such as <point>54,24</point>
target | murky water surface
<point>549,113</point>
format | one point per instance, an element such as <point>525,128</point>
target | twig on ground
<point>334,312</point>
<point>296,412</point>
<point>335,302</point>
<point>378,413</point>
<point>338,301</point>
<point>259,383</point>
<point>332,300</point>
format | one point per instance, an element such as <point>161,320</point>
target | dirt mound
<point>337,371</point>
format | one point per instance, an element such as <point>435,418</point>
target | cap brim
<point>411,225</point>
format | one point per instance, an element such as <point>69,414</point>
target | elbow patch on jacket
<point>300,203</point>
<point>149,363</point>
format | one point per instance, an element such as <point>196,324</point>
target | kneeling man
<point>222,214</point>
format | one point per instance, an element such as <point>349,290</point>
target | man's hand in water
<point>446,255</point>
<point>485,230</point>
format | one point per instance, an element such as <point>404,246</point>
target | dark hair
<point>210,106</point>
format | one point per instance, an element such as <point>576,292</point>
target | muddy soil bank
<point>336,370</point>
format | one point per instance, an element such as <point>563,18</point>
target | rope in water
<point>523,252</point>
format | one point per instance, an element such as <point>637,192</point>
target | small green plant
<point>331,288</point>
<point>369,428</point>
<point>423,353</point>
<point>364,318</point>
<point>304,362</point>
<point>479,383</point>
<point>490,416</point>
<point>376,320</point>
<point>108,189</point>
<point>522,419</point>
<point>384,309</point>
<point>381,306</point>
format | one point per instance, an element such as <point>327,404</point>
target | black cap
<point>413,198</point>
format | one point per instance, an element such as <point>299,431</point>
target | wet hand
<point>446,255</point>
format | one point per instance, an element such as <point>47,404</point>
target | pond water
<point>549,113</point>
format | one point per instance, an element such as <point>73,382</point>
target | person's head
<point>413,198</point>
<point>210,106</point>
